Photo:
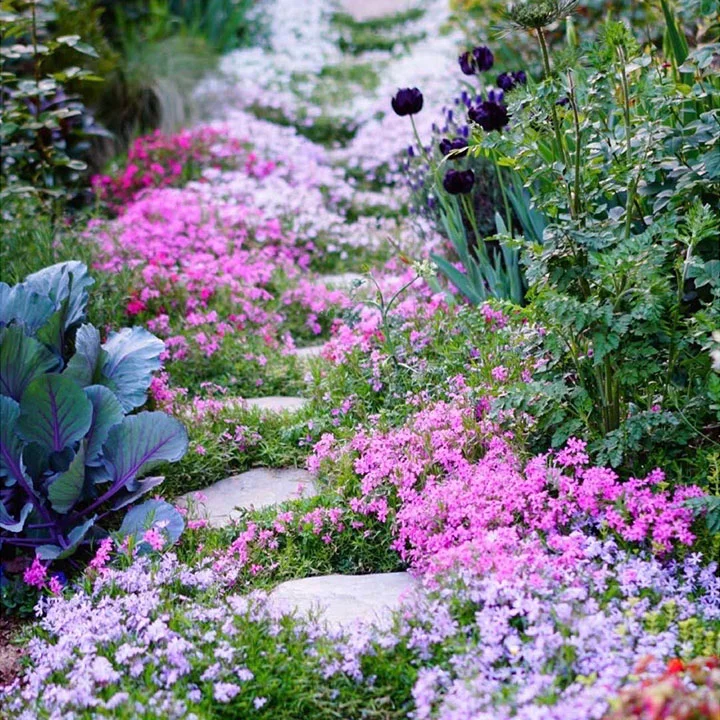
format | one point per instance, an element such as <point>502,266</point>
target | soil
<point>10,653</point>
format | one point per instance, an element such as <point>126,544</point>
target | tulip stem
<point>548,76</point>
<point>419,141</point>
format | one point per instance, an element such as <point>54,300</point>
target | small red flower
<point>675,666</point>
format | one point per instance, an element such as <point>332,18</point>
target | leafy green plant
<point>225,24</point>
<point>70,452</point>
<point>160,64</point>
<point>619,155</point>
<point>45,132</point>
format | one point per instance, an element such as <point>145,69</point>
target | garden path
<point>377,138</point>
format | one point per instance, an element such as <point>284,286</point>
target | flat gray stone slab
<point>277,403</point>
<point>345,599</point>
<point>343,281</point>
<point>366,9</point>
<point>257,488</point>
<point>308,352</point>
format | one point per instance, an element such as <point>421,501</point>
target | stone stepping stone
<point>343,281</point>
<point>368,9</point>
<point>257,488</point>
<point>277,403</point>
<point>345,599</point>
<point>305,353</point>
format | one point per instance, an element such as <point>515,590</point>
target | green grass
<point>383,22</point>
<point>33,236</point>
<point>376,34</point>
<point>327,131</point>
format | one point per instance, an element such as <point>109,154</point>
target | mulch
<point>10,653</point>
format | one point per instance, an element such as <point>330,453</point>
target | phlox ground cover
<point>548,584</point>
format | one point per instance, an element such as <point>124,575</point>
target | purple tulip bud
<point>408,101</point>
<point>505,81</point>
<point>458,182</point>
<point>509,81</point>
<point>447,145</point>
<point>467,63</point>
<point>489,115</point>
<point>484,59</point>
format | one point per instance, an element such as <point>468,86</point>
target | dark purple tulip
<point>447,146</point>
<point>489,115</point>
<point>483,57</point>
<point>509,81</point>
<point>467,63</point>
<point>505,81</point>
<point>408,101</point>
<point>458,182</point>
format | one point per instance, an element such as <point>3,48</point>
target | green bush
<point>619,152</point>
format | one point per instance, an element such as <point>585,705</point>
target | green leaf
<point>11,447</point>
<point>707,504</point>
<point>106,413</point>
<point>711,160</point>
<point>678,43</point>
<point>66,488</point>
<point>64,281</point>
<point>459,280</point>
<point>54,413</point>
<point>25,307</point>
<point>139,443</point>
<point>143,486</point>
<point>84,365</point>
<point>133,354</point>
<point>9,523</point>
<point>152,514</point>
<point>74,538</point>
<point>22,359</point>
<point>75,43</point>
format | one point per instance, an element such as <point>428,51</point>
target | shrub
<point>45,131</point>
<point>70,452</point>
<point>618,151</point>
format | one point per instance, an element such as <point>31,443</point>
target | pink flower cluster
<point>160,160</point>
<point>459,495</point>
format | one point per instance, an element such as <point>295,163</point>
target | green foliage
<point>361,36</point>
<point>627,279</point>
<point>161,62</point>
<point>69,454</point>
<point>224,24</point>
<point>45,132</point>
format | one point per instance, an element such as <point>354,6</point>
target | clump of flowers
<point>685,691</point>
<point>497,513</point>
<point>160,160</point>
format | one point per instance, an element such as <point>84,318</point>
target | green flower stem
<point>548,76</point>
<point>632,184</point>
<point>419,141</point>
<point>506,202</point>
<point>470,211</point>
<point>576,204</point>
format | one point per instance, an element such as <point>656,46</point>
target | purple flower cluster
<point>544,648</point>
